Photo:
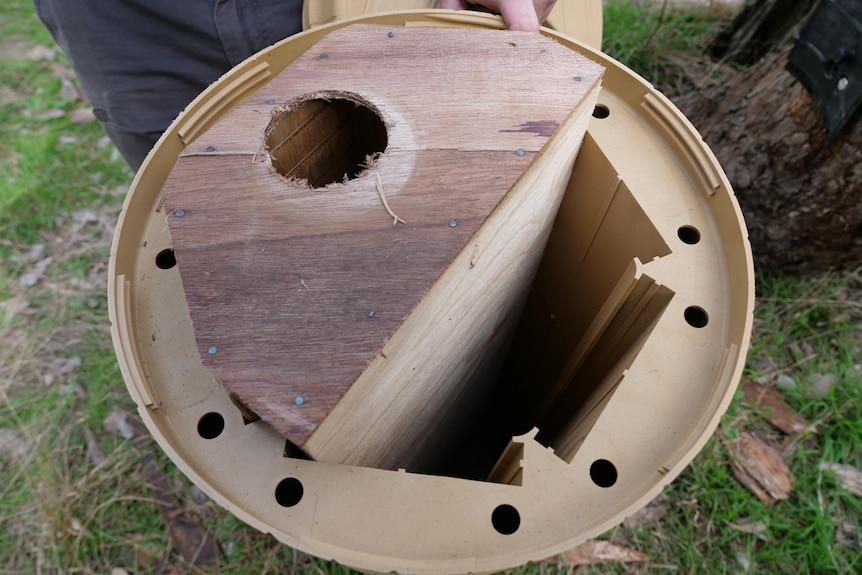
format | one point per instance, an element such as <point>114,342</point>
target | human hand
<point>524,15</point>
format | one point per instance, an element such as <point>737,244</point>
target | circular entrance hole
<point>325,140</point>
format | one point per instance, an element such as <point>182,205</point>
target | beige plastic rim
<point>650,244</point>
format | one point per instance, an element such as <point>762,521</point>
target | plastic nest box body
<point>629,346</point>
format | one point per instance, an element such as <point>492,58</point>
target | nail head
<point>270,101</point>
<point>371,314</point>
<point>453,223</point>
<point>391,34</point>
<point>212,350</point>
<point>180,213</point>
<point>210,148</point>
<point>324,56</point>
<point>299,400</point>
<point>519,151</point>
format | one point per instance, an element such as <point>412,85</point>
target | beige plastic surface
<point>643,298</point>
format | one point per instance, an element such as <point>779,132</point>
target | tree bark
<point>760,25</point>
<point>802,201</point>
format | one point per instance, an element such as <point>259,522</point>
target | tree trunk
<point>760,25</point>
<point>802,201</point>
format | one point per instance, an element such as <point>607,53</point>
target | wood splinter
<point>395,219</point>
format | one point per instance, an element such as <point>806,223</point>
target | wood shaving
<point>395,219</point>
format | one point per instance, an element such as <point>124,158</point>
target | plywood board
<point>295,287</point>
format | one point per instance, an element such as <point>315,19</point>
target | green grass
<point>59,510</point>
<point>706,504</point>
<point>64,511</point>
<point>51,166</point>
<point>62,508</point>
<point>657,39</point>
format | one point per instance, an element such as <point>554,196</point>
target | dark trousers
<point>140,62</point>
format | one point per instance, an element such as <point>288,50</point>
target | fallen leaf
<point>122,423</point>
<point>821,383</point>
<point>149,557</point>
<point>41,52</point>
<point>84,217</point>
<point>770,401</point>
<point>12,307</point>
<point>82,116</point>
<point>197,494</point>
<point>75,526</point>
<point>28,280</point>
<point>653,512</point>
<point>847,535</point>
<point>60,367</point>
<point>36,273</point>
<point>784,381</point>
<point>7,96</point>
<point>602,552</point>
<point>760,468</point>
<point>753,526</point>
<point>75,388</point>
<point>31,255</point>
<point>93,451</point>
<point>119,571</point>
<point>848,476</point>
<point>50,114</point>
<point>70,91</point>
<point>188,536</point>
<point>42,265</point>
<point>743,562</point>
<point>13,443</point>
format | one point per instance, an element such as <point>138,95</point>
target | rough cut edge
<point>294,104</point>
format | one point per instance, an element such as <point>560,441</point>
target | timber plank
<point>294,290</point>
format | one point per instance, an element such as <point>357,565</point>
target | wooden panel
<point>295,290</point>
<point>437,88</point>
<point>283,283</point>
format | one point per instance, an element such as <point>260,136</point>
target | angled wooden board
<point>295,289</point>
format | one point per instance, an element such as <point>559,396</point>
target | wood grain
<point>297,294</point>
<point>761,468</point>
<point>770,402</point>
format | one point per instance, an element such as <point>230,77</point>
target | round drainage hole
<point>603,473</point>
<point>506,519</point>
<point>688,235</point>
<point>289,492</point>
<point>325,141</point>
<point>696,316</point>
<point>601,111</point>
<point>211,425</point>
<point>166,259</point>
